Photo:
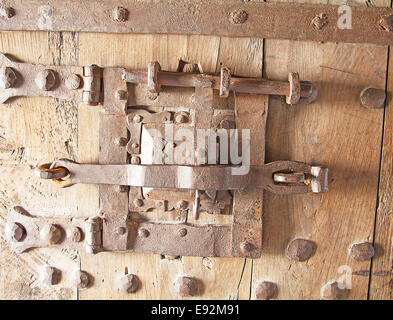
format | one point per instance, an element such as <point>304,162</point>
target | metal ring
<point>47,171</point>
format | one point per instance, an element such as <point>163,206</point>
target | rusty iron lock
<point>139,108</point>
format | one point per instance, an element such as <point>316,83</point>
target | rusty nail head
<point>320,21</point>
<point>137,118</point>
<point>128,283</point>
<point>121,95</point>
<point>362,251</point>
<point>182,204</point>
<point>144,233</point>
<point>245,247</point>
<point>80,279</point>
<point>182,232</point>
<point>187,286</point>
<point>121,231</point>
<point>74,234</point>
<point>135,160</point>
<point>121,141</point>
<point>50,275</point>
<point>373,98</point>
<point>46,79</point>
<point>7,78</point>
<point>238,16</point>
<point>332,291</point>
<point>7,12</point>
<point>15,231</point>
<point>266,290</point>
<point>121,189</point>
<point>120,14</point>
<point>138,203</point>
<point>386,23</point>
<point>181,118</point>
<point>300,250</point>
<point>73,82</point>
<point>52,234</point>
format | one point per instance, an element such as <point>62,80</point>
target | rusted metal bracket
<point>134,184</point>
<point>217,17</point>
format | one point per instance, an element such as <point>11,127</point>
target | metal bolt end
<point>320,21</point>
<point>128,283</point>
<point>73,82</point>
<point>182,232</point>
<point>74,234</point>
<point>7,12</point>
<point>246,247</point>
<point>135,160</point>
<point>300,250</point>
<point>137,118</point>
<point>238,16</point>
<point>187,286</point>
<point>50,275</point>
<point>332,291</point>
<point>120,14</point>
<point>386,23</point>
<point>182,204</point>
<point>138,203</point>
<point>15,232</point>
<point>121,189</point>
<point>80,279</point>
<point>51,234</point>
<point>121,95</point>
<point>143,233</point>
<point>362,251</point>
<point>266,290</point>
<point>121,141</point>
<point>7,78</point>
<point>373,98</point>
<point>181,118</point>
<point>46,79</point>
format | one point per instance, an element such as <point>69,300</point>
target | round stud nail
<point>128,283</point>
<point>46,79</point>
<point>266,290</point>
<point>300,250</point>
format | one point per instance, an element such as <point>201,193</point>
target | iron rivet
<point>80,279</point>
<point>300,250</point>
<point>46,79</point>
<point>121,189</point>
<point>266,290</point>
<point>182,204</point>
<point>75,234</point>
<point>320,21</point>
<point>181,118</point>
<point>386,23</point>
<point>51,234</point>
<point>138,203</point>
<point>245,247</point>
<point>121,231</point>
<point>135,160</point>
<point>238,16</point>
<point>120,14</point>
<point>7,12</point>
<point>362,251</point>
<point>121,95</point>
<point>187,286</point>
<point>73,82</point>
<point>15,231</point>
<point>7,78</point>
<point>121,141</point>
<point>137,118</point>
<point>373,98</point>
<point>182,232</point>
<point>332,291</point>
<point>50,275</point>
<point>144,233</point>
<point>128,283</point>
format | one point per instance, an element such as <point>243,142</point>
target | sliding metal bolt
<point>120,14</point>
<point>51,234</point>
<point>128,283</point>
<point>266,290</point>
<point>7,78</point>
<point>50,275</point>
<point>46,79</point>
<point>15,231</point>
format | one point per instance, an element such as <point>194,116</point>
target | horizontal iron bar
<point>217,17</point>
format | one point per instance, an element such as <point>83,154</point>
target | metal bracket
<point>133,184</point>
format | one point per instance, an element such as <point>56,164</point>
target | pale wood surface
<point>335,132</point>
